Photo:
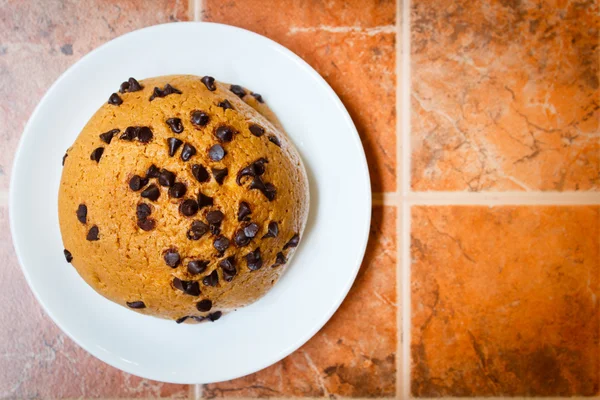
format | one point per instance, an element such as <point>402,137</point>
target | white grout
<point>198,8</point>
<point>405,92</point>
<point>406,298</point>
<point>197,395</point>
<point>395,198</point>
<point>503,198</point>
<point>343,29</point>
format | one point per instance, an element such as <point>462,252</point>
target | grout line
<point>198,8</point>
<point>405,101</point>
<point>396,199</point>
<point>198,392</point>
<point>406,298</point>
<point>503,198</point>
<point>403,186</point>
<point>385,199</point>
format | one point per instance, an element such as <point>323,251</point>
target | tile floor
<point>481,125</point>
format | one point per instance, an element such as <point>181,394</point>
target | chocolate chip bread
<point>182,198</point>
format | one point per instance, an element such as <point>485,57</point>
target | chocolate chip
<point>279,260</point>
<point>197,230</point>
<point>221,243</point>
<point>64,158</point>
<point>200,173</point>
<point>215,229</point>
<point>254,169</point>
<point>166,178</point>
<point>171,257</point>
<point>189,207</point>
<point>293,242</point>
<point>214,217</point>
<point>238,90</point>
<point>254,260</point>
<point>224,133</point>
<point>92,234</point>
<point>199,118</point>
<point>151,193</point>
<point>256,130</point>
<point>267,189</point>
<point>134,85</point>
<point>129,134</point>
<point>136,304</point>
<point>68,255</point>
<point>152,172</point>
<point>131,85</point>
<point>82,213</point>
<point>194,317</point>
<point>228,267</point>
<point>178,190</point>
<point>212,279</point>
<point>137,182</point>
<point>141,133</point>
<point>124,87</point>
<point>187,152</point>
<point>204,200</point>
<point>167,90</point>
<point>258,97</point>
<point>219,174</point>
<point>209,82</point>
<point>106,137</point>
<point>243,211</point>
<point>175,124</point>
<point>143,211</point>
<point>97,154</point>
<point>240,239</point>
<point>216,152</point>
<point>204,305</point>
<point>225,104</point>
<point>115,100</point>
<point>173,144</point>
<point>251,230</point>
<point>144,134</point>
<point>146,224</point>
<point>272,230</point>
<point>215,316</point>
<point>275,140</point>
<point>188,287</point>
<point>196,267</point>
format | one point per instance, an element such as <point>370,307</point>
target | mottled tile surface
<point>40,40</point>
<point>505,301</point>
<point>37,360</point>
<point>505,95</point>
<point>354,354</point>
<point>352,45</point>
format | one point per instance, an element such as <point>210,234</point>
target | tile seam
<point>395,198</point>
<point>403,232</point>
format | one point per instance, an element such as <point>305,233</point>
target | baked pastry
<point>182,198</point>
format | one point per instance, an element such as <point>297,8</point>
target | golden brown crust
<point>126,264</point>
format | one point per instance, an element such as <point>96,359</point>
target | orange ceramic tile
<point>352,45</point>
<point>39,41</point>
<point>505,95</point>
<point>37,360</point>
<point>505,301</point>
<point>354,354</point>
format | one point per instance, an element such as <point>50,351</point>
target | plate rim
<point>287,350</point>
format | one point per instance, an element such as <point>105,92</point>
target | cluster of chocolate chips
<point>130,85</point>
<point>241,92</point>
<point>143,134</point>
<point>186,153</point>
<point>255,170</point>
<point>164,92</point>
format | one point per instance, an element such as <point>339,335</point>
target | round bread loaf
<point>182,198</point>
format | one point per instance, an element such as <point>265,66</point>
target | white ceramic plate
<point>320,274</point>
